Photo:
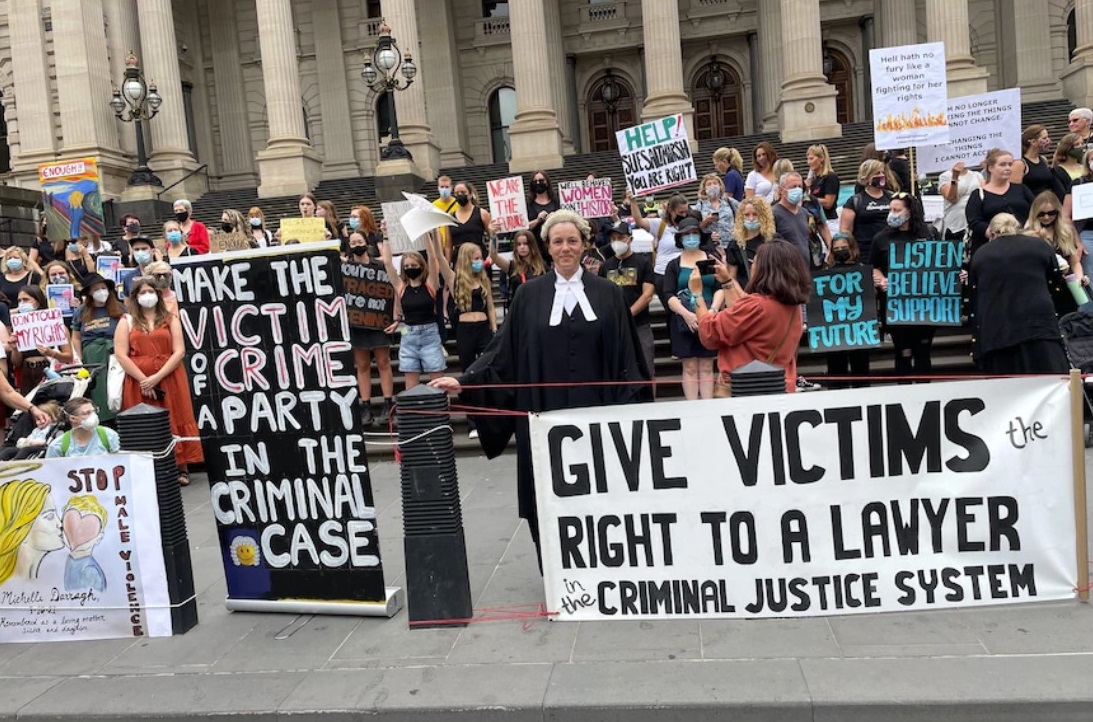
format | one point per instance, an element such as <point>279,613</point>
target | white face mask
<point>713,192</point>
<point>91,421</point>
<point>148,300</point>
<point>621,248</point>
<point>100,295</point>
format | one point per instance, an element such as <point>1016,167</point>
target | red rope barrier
<point>494,614</point>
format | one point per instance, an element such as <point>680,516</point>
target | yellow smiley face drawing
<point>244,552</point>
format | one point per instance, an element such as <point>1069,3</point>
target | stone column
<point>947,22</point>
<point>288,165</point>
<point>770,51</point>
<point>237,170</point>
<point>171,158</point>
<point>807,110</point>
<point>868,42</point>
<point>555,50</point>
<point>756,94</point>
<point>1078,77</point>
<point>443,84</point>
<point>339,157</point>
<point>535,135</point>
<point>897,21</point>
<point>122,38</point>
<point>33,103</point>
<point>1032,40</point>
<point>413,120</point>
<point>664,64</point>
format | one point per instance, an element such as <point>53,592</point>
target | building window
<point>717,96</point>
<point>1071,36</point>
<point>5,151</point>
<point>188,110</point>
<point>839,74</point>
<point>383,116</point>
<point>495,9</point>
<point>502,115</point>
<point>610,109</point>
<point>374,10</point>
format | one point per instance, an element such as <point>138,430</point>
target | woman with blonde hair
<point>29,528</point>
<point>716,208</point>
<point>17,272</point>
<point>329,214</point>
<point>420,350</point>
<point>823,184</point>
<point>177,245</point>
<point>865,214</point>
<point>730,164</point>
<point>754,226</point>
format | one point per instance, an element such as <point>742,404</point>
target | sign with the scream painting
<point>275,395</point>
<point>81,555</point>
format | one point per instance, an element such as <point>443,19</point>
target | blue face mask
<point>15,264</point>
<point>476,266</point>
<point>444,192</point>
<point>354,223</point>
<point>143,258</point>
<point>691,241</point>
<point>174,236</point>
<point>895,220</point>
<point>751,225</point>
<point>794,195</point>
<point>73,247</point>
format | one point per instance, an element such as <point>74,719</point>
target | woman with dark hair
<point>541,203</point>
<point>761,181</point>
<point>762,322</point>
<point>471,220</point>
<point>1031,169</point>
<point>678,288</point>
<point>93,327</point>
<point>844,254</point>
<point>33,363</point>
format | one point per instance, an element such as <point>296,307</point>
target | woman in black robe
<point>563,330</point>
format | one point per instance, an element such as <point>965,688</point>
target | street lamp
<point>135,102</point>
<point>380,72</point>
<point>610,91</point>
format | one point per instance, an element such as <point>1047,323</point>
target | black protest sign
<point>271,370</point>
<point>369,295</point>
<point>924,283</point>
<point>842,310</point>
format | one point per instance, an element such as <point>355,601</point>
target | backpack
<point>66,440</point>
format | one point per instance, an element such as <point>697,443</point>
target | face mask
<point>354,223</point>
<point>1045,144</point>
<point>621,248</point>
<point>877,182</point>
<point>539,186</point>
<point>174,237</point>
<point>412,273</point>
<point>751,225</point>
<point>476,266</point>
<point>842,255</point>
<point>255,222</point>
<point>143,258</point>
<point>14,264</point>
<point>90,422</point>
<point>148,300</point>
<point>444,192</point>
<point>359,250</point>
<point>794,195</point>
<point>100,295</point>
<point>226,227</point>
<point>57,280</point>
<point>895,220</point>
<point>181,216</point>
<point>161,283</point>
<point>73,247</point>
<point>462,199</point>
<point>691,241</point>
<point>133,228</point>
<point>1077,153</point>
<point>713,192</point>
<point>26,307</point>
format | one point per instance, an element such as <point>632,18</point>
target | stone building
<point>268,93</point>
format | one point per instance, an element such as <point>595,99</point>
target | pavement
<point>1032,662</point>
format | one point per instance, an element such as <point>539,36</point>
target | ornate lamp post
<point>610,91</point>
<point>137,101</point>
<point>380,73</point>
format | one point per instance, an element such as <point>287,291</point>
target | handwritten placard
<point>656,155</point>
<point>221,242</point>
<point>43,327</point>
<point>977,123</point>
<point>842,310</point>
<point>369,295</point>
<point>587,198</point>
<point>910,96</point>
<point>398,238</point>
<point>304,230</point>
<point>508,204</point>
<point>924,283</point>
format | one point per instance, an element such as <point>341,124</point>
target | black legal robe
<point>527,350</point>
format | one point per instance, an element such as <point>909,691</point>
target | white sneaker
<point>473,434</point>
<point>804,384</point>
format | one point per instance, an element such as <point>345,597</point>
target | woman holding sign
<point>420,351</point>
<point>370,343</point>
<point>844,254</point>
<point>33,363</point>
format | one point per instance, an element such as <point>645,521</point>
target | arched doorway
<point>838,72</point>
<point>502,115</point>
<point>610,109</point>
<point>717,97</point>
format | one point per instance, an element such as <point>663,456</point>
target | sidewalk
<point>1006,663</point>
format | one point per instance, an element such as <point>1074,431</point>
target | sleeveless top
<point>418,306</point>
<point>473,231</point>
<point>1038,176</point>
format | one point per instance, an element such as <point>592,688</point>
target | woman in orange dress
<point>150,347</point>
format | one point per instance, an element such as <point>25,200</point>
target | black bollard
<point>437,583</point>
<point>757,378</point>
<point>148,428</point>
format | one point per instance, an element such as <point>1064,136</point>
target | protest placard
<point>910,95</point>
<point>62,296</point>
<point>398,238</point>
<point>304,230</point>
<point>265,330</point>
<point>924,287</point>
<point>977,123</point>
<point>587,198</point>
<point>369,295</point>
<point>91,567</point>
<point>508,204</point>
<point>842,310</point>
<point>125,280</point>
<point>107,266</point>
<point>656,155</point>
<point>907,498</point>
<point>1082,199</point>
<point>42,327</point>
<point>220,242</point>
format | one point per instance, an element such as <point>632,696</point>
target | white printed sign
<point>1082,200</point>
<point>910,95</point>
<point>977,123</point>
<point>587,198</point>
<point>44,327</point>
<point>918,497</point>
<point>88,557</point>
<point>508,204</point>
<point>656,155</point>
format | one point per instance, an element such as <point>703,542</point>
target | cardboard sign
<point>902,498</point>
<point>220,242</point>
<point>656,155</point>
<point>910,96</point>
<point>91,565</point>
<point>977,123</point>
<point>62,296</point>
<point>304,230</point>
<point>587,198</point>
<point>508,204</point>
<point>275,395</point>
<point>398,238</point>
<point>43,327</point>
<point>924,286</point>
<point>842,310</point>
<point>369,295</point>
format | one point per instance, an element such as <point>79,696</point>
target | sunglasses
<point>1047,214</point>
<point>161,275</point>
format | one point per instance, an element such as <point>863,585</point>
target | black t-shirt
<point>826,185</point>
<point>631,273</point>
<point>11,288</point>
<point>882,242</point>
<point>534,209</point>
<point>870,217</point>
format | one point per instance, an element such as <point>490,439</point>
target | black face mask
<point>226,227</point>
<point>359,250</point>
<point>539,186</point>
<point>462,199</point>
<point>133,229</point>
<point>842,256</point>
<point>181,216</point>
<point>412,273</point>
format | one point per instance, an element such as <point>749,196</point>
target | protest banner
<point>304,230</point>
<point>275,395</point>
<point>924,285</point>
<point>42,327</point>
<point>656,155</point>
<point>72,199</point>
<point>508,204</point>
<point>62,296</point>
<point>910,96</point>
<point>842,310</point>
<point>587,198</point>
<point>977,123</point>
<point>91,564</point>
<point>369,295</point>
<point>912,498</point>
<point>107,266</point>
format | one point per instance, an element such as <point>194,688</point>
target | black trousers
<point>471,339</point>
<point>913,344</point>
<point>848,363</point>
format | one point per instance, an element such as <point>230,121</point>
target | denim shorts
<point>420,350</point>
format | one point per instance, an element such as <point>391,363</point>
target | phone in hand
<point>705,268</point>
